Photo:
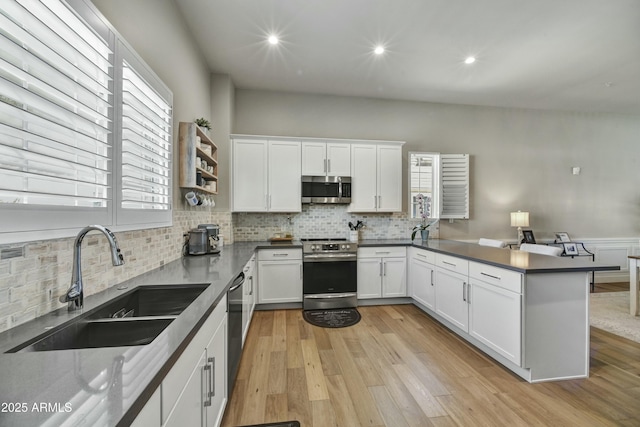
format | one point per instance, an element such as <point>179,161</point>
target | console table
<point>634,284</point>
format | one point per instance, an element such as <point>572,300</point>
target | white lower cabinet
<point>495,309</point>
<point>280,272</point>
<point>451,297</point>
<point>150,414</point>
<point>248,295</point>
<point>421,277</point>
<point>382,272</point>
<point>194,392</point>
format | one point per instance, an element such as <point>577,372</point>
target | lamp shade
<point>519,219</point>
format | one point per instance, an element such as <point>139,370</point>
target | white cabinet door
<point>421,282</point>
<point>189,409</point>
<point>389,183</point>
<point>338,159</point>
<point>394,277</point>
<point>284,177</point>
<point>250,175</point>
<point>451,298</point>
<point>216,377</point>
<point>280,281</point>
<point>150,415</point>
<point>369,278</point>
<point>363,178</point>
<point>495,318</point>
<point>314,158</point>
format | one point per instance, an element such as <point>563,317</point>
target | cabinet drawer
<point>453,264</point>
<point>382,252</point>
<point>506,279</point>
<point>279,254</point>
<point>423,255</point>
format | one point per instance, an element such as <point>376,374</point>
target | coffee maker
<point>213,231</point>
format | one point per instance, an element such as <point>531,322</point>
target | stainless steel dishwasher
<point>234,329</point>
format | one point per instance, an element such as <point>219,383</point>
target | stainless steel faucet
<point>75,295</point>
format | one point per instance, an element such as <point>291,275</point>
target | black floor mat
<point>336,318</point>
<point>283,424</point>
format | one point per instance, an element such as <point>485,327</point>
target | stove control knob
<point>313,247</point>
<point>343,246</point>
<point>348,246</point>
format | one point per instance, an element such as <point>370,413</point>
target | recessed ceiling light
<point>470,60</point>
<point>273,40</point>
<point>379,50</point>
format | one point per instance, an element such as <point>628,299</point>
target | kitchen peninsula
<point>546,337</point>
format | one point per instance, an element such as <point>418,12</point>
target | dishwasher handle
<point>237,282</point>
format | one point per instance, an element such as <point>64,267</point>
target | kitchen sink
<point>99,333</point>
<point>168,300</point>
<point>134,318</point>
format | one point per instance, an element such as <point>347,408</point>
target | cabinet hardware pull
<point>379,201</point>
<point>375,202</point>
<point>431,277</point>
<point>468,293</point>
<point>384,268</point>
<point>381,268</point>
<point>490,275</point>
<point>464,291</point>
<point>329,165</point>
<point>212,391</point>
<point>207,367</point>
<point>301,276</point>
<point>325,165</point>
<point>280,254</point>
<point>383,252</point>
<point>449,263</point>
<point>421,255</point>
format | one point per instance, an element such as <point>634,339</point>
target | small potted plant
<point>203,123</point>
<point>424,206</point>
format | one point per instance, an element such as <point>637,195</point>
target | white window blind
<point>146,144</point>
<point>455,185</point>
<point>55,122</point>
<point>85,125</point>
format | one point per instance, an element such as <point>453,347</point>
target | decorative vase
<point>425,235</point>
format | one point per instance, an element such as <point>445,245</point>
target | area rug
<point>610,311</point>
<point>336,318</point>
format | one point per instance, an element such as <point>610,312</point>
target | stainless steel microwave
<point>326,189</point>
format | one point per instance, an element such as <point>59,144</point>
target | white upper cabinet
<point>266,175</point>
<point>326,159</point>
<point>284,177</point>
<point>376,178</point>
<point>250,175</point>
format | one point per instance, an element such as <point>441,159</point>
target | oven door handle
<point>329,258</point>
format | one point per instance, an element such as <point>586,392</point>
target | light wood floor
<point>398,367</point>
<point>611,287</point>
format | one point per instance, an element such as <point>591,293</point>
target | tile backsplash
<point>33,275</point>
<point>320,221</point>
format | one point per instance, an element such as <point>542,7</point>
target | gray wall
<point>520,159</point>
<point>158,33</point>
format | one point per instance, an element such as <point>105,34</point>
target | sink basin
<point>134,318</point>
<point>99,333</point>
<point>169,300</point>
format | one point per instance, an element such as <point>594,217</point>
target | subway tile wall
<point>321,221</point>
<point>33,275</point>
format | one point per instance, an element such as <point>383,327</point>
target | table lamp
<point>519,219</point>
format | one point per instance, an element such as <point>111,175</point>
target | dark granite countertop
<point>111,383</point>
<point>511,259</point>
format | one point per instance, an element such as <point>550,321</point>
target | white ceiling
<point>581,55</point>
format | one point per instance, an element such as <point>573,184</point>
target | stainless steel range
<point>329,274</point>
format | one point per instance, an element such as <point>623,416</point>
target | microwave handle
<point>340,190</point>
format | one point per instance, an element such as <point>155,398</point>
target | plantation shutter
<point>454,184</point>
<point>146,131</point>
<point>56,115</point>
